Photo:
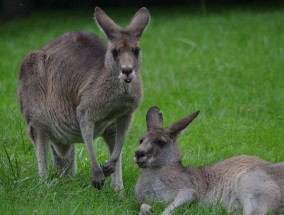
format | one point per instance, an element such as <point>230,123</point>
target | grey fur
<point>243,181</point>
<point>77,88</point>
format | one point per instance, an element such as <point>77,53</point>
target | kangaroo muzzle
<point>127,74</point>
<point>140,158</point>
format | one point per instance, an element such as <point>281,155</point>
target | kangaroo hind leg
<point>260,194</point>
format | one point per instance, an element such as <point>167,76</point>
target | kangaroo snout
<point>140,154</point>
<point>127,74</point>
<point>140,158</point>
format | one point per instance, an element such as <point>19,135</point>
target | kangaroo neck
<point>168,165</point>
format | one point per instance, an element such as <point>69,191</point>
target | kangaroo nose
<point>140,154</point>
<point>126,71</point>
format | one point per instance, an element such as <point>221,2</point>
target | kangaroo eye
<point>141,141</point>
<point>160,143</point>
<point>136,51</point>
<point>114,53</point>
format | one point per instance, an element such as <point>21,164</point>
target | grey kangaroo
<point>77,88</point>
<point>246,181</point>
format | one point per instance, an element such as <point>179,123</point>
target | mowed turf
<point>227,63</point>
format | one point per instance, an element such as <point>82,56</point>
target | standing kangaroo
<point>246,181</point>
<point>77,88</point>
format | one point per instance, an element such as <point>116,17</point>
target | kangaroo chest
<point>152,186</point>
<point>163,192</point>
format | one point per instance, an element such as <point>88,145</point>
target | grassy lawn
<point>229,64</point>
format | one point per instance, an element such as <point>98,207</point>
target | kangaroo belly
<point>66,130</point>
<point>61,121</point>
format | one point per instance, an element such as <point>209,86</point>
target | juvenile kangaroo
<point>77,88</point>
<point>246,181</point>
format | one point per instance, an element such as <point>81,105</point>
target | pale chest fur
<point>162,191</point>
<point>151,187</point>
<point>121,99</point>
<point>162,185</point>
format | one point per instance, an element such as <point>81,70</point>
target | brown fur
<point>243,181</point>
<point>76,89</point>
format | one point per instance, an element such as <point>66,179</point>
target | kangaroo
<point>246,181</point>
<point>77,88</point>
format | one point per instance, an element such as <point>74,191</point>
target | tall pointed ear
<point>154,118</point>
<point>139,22</point>
<point>106,24</point>
<point>176,128</point>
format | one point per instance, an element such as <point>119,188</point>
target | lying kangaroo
<point>255,184</point>
<point>77,88</point>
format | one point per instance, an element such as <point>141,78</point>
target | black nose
<point>126,71</point>
<point>140,154</point>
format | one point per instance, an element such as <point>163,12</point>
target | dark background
<point>10,9</point>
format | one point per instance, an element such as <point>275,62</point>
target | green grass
<point>229,64</point>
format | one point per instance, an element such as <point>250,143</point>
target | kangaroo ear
<point>176,128</point>
<point>106,24</point>
<point>139,22</point>
<point>154,118</point>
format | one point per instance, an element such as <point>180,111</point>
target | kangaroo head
<point>158,146</point>
<point>124,56</point>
